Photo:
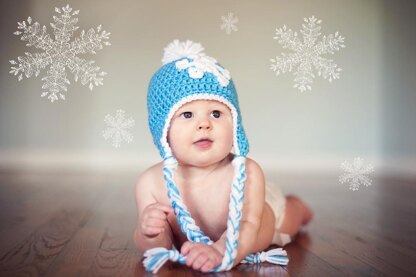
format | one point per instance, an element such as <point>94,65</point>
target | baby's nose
<point>204,125</point>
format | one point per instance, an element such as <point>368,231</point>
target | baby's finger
<point>165,208</point>
<point>152,231</point>
<point>156,213</point>
<point>186,246</point>
<point>200,261</point>
<point>155,222</point>
<point>207,266</point>
<point>152,223</point>
<point>192,255</point>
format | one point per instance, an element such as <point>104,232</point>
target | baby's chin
<point>205,161</point>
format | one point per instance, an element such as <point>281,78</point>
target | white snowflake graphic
<point>228,23</point>
<point>355,173</point>
<point>307,53</point>
<point>117,128</point>
<point>59,53</point>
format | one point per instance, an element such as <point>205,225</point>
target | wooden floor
<point>81,224</point>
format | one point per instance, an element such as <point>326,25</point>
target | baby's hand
<point>154,219</point>
<point>201,256</point>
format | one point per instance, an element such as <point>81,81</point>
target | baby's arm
<point>152,229</point>
<point>254,200</point>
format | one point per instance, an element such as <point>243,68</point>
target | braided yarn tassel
<point>235,213</point>
<point>156,257</point>
<point>186,222</point>
<point>274,256</point>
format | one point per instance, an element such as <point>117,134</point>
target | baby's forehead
<point>203,103</point>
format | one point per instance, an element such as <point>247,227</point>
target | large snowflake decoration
<point>59,53</point>
<point>117,128</point>
<point>356,173</point>
<point>228,23</point>
<point>307,53</point>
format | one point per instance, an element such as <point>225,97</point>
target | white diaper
<point>277,201</point>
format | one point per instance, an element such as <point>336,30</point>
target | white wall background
<point>369,112</point>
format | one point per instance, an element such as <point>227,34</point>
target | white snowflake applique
<point>307,54</point>
<point>356,173</point>
<point>229,23</point>
<point>196,62</point>
<point>117,128</point>
<point>59,53</point>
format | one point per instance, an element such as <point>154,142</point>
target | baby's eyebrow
<point>217,106</point>
<point>221,108</point>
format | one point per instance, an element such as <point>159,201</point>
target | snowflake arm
<point>90,41</point>
<point>288,39</point>
<point>64,25</point>
<point>284,62</point>
<point>55,81</point>
<point>310,31</point>
<point>327,68</point>
<point>303,77</point>
<point>34,34</point>
<point>29,65</point>
<point>329,44</point>
<point>87,72</point>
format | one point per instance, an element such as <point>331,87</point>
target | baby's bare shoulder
<point>152,174</point>
<point>148,184</point>
<point>254,192</point>
<point>254,172</point>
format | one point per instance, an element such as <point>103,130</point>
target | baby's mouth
<point>203,143</point>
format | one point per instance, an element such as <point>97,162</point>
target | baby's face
<point>201,132</point>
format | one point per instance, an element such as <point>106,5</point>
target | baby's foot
<point>307,215</point>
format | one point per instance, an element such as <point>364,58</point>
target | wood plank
<point>34,254</point>
<point>303,262</point>
<point>348,265</point>
<point>29,201</point>
<point>107,236</point>
<point>52,211</point>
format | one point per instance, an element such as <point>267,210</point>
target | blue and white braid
<point>155,258</point>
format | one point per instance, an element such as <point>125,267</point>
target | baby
<point>206,198</point>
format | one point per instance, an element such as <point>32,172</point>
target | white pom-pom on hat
<point>199,62</point>
<point>176,50</point>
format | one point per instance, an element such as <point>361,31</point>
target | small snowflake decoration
<point>228,23</point>
<point>117,128</point>
<point>307,54</point>
<point>59,53</point>
<point>356,174</point>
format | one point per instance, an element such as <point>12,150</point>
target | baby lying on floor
<point>206,195</point>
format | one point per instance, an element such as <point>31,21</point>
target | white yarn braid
<point>235,207</point>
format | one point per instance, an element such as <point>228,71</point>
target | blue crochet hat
<point>188,74</point>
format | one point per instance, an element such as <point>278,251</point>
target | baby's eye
<point>216,114</point>
<point>186,114</point>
